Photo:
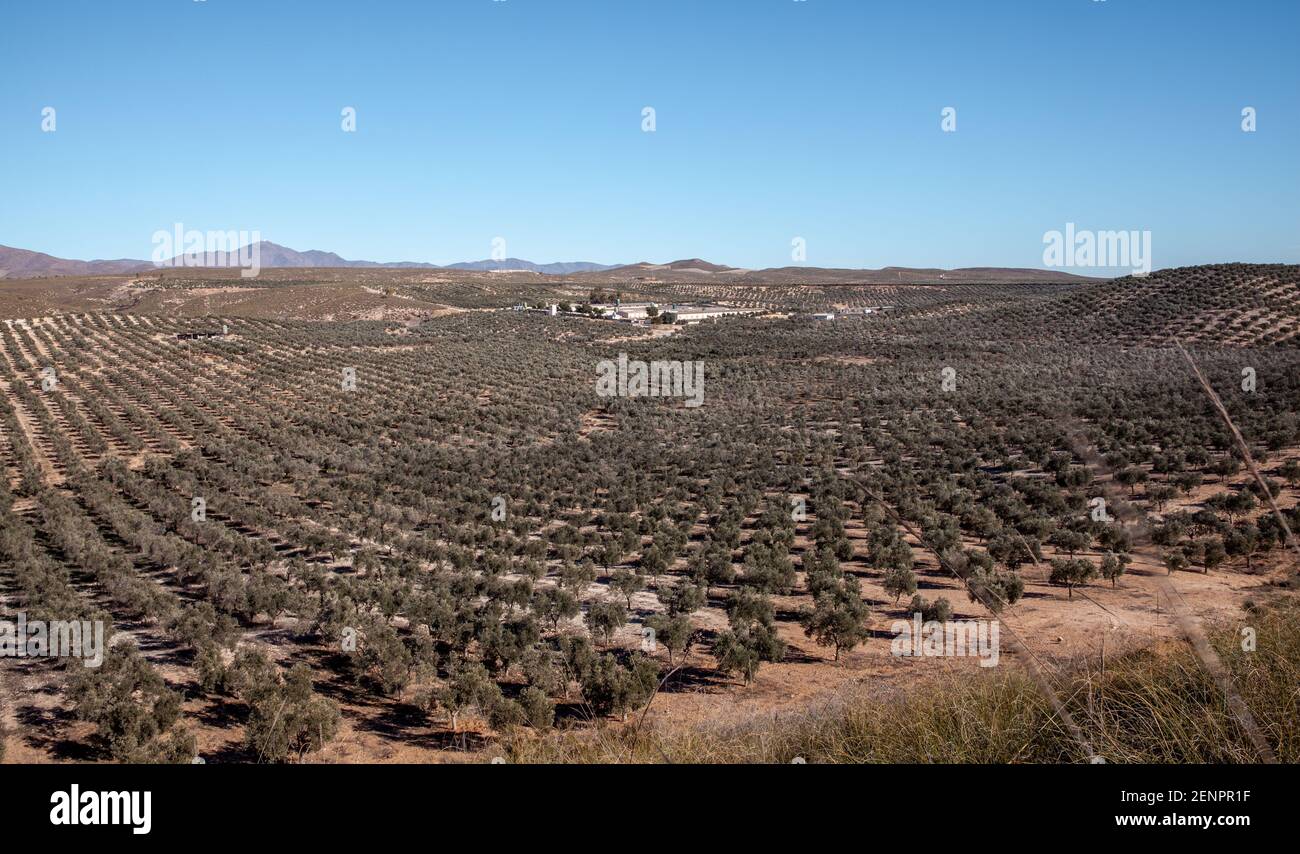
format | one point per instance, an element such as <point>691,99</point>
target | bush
<point>132,708</point>
<point>288,719</point>
<point>611,687</point>
<point>539,711</point>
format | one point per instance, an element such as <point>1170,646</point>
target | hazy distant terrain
<point>21,263</point>
<point>702,271</point>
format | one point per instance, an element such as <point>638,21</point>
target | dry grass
<point>1152,706</point>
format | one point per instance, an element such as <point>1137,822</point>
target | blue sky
<point>775,119</point>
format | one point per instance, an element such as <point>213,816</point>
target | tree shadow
<point>42,729</point>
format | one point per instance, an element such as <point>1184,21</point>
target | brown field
<point>331,510</point>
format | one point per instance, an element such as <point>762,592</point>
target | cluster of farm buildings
<point>644,313</point>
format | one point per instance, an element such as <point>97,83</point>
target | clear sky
<point>774,119</point>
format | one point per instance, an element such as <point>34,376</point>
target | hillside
<point>1229,304</point>
<point>371,507</point>
<point>1233,304</point>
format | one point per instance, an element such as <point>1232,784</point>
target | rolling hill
<point>697,270</point>
<point>1233,305</point>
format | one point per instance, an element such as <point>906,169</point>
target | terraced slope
<point>1234,305</point>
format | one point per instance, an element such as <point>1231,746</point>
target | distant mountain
<point>687,266</point>
<point>562,268</point>
<point>275,255</point>
<point>696,270</point>
<point>22,263</point>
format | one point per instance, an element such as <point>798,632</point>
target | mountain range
<point>24,263</point>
